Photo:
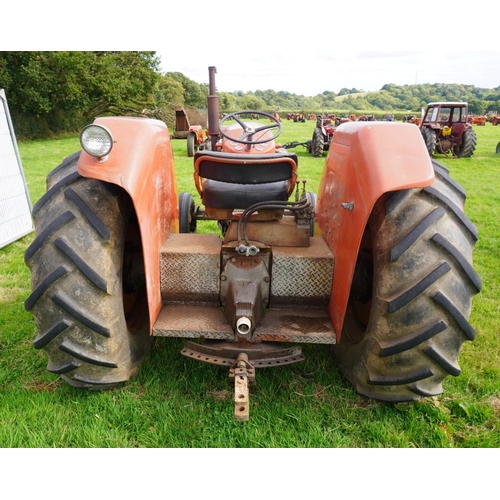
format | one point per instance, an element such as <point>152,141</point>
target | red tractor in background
<point>446,130</point>
<point>377,264</point>
<point>322,135</point>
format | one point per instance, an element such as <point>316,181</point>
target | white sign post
<point>15,203</point>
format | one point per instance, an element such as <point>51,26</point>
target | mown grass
<point>179,403</point>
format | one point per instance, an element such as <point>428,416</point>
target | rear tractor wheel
<point>191,147</point>
<point>410,300</point>
<point>317,143</point>
<point>429,137</point>
<point>87,277</point>
<point>468,146</point>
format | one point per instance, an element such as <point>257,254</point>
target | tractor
<point>377,265</point>
<point>446,129</point>
<point>197,140</point>
<point>322,135</point>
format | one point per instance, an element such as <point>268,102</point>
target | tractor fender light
<point>97,141</point>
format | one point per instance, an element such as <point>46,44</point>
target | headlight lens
<point>96,140</point>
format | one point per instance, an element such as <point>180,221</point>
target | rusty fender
<point>365,160</point>
<point>141,162</point>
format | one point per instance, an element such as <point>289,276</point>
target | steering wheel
<point>248,131</point>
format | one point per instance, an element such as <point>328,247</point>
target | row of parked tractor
<point>480,120</point>
<point>300,117</point>
<point>446,127</point>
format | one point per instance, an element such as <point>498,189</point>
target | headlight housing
<point>97,141</point>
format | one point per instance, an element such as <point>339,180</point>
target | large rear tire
<point>87,278</point>
<point>191,148</point>
<point>317,143</point>
<point>410,300</point>
<point>429,137</point>
<point>468,146</point>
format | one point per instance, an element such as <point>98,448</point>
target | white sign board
<point>15,204</point>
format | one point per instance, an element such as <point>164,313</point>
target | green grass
<point>178,403</point>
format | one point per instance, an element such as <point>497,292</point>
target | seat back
<point>242,169</point>
<point>242,172</point>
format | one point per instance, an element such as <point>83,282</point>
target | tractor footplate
<point>263,355</point>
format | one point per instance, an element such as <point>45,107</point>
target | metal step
<point>278,325</point>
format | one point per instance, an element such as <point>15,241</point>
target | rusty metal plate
<point>262,355</point>
<point>190,268</point>
<point>188,321</point>
<point>293,325</point>
<point>281,233</point>
<point>302,276</point>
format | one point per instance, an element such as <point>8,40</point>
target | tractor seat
<point>236,181</point>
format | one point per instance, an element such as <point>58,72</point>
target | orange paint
<point>141,162</point>
<point>365,160</point>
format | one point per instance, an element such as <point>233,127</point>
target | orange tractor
<point>477,120</point>
<point>377,264</point>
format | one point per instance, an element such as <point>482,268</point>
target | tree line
<point>52,93</point>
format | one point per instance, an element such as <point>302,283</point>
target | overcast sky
<point>298,46</point>
<point>363,70</point>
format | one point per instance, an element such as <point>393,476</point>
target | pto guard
<point>141,162</point>
<point>365,161</point>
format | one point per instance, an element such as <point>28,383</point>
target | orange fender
<point>141,162</point>
<point>365,160</point>
<point>198,131</point>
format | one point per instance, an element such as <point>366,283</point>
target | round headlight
<point>96,140</point>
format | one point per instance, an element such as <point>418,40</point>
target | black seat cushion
<point>240,196</point>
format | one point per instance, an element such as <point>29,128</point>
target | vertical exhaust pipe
<point>213,107</point>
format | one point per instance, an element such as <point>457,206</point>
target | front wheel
<point>187,213</point>
<point>88,283</point>
<point>410,299</point>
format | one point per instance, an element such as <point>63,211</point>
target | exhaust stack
<point>213,107</point>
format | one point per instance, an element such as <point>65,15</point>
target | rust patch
<point>38,386</point>
<point>494,402</point>
<point>223,395</point>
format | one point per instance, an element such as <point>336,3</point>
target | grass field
<point>179,403</point>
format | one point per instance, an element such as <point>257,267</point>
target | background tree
<point>250,101</point>
<point>195,94</point>
<point>477,106</point>
<point>227,102</point>
<point>54,92</point>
